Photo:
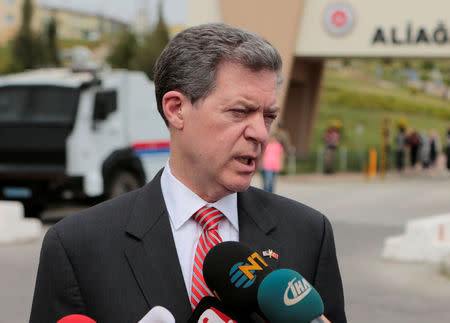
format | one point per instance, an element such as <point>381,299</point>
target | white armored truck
<point>68,134</point>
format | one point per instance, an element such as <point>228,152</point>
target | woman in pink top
<point>272,162</point>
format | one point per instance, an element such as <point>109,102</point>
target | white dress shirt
<point>181,204</point>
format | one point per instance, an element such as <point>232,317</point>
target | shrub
<point>343,97</point>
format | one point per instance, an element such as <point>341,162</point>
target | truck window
<point>38,104</point>
<point>105,104</point>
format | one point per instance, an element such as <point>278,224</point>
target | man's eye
<point>271,116</point>
<point>238,112</point>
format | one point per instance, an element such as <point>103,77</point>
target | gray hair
<point>189,62</point>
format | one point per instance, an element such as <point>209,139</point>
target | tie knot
<point>208,217</point>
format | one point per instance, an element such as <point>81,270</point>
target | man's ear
<point>174,102</point>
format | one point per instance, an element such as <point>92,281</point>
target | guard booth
<point>308,32</point>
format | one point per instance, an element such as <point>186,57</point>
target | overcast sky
<point>175,11</point>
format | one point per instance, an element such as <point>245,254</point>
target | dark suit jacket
<point>115,261</point>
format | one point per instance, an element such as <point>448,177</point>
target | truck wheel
<point>122,182</point>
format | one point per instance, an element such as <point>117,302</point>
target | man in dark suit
<point>216,88</point>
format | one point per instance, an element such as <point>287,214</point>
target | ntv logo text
<point>243,274</point>
<point>296,291</point>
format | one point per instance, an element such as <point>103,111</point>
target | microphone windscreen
<point>233,273</point>
<point>76,318</point>
<point>212,309</point>
<point>285,296</point>
<point>204,304</point>
<point>158,314</point>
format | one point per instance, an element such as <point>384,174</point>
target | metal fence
<point>345,160</point>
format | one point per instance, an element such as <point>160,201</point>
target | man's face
<point>225,134</point>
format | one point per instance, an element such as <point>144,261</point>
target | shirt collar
<point>182,203</point>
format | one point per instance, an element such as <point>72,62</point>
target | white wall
<point>315,40</point>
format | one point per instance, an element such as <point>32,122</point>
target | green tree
<point>387,61</point>
<point>427,65</point>
<point>23,42</point>
<point>5,58</point>
<point>152,45</point>
<point>425,77</point>
<point>446,82</point>
<point>52,45</point>
<point>406,64</point>
<point>27,47</point>
<point>27,15</point>
<point>124,50</point>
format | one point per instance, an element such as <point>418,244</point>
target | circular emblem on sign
<point>339,19</point>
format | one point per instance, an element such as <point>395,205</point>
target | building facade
<point>79,25</point>
<point>72,24</point>
<point>11,18</point>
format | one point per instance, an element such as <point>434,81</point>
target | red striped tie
<point>208,218</point>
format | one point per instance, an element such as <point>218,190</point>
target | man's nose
<point>257,129</point>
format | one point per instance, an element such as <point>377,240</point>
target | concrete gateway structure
<point>308,32</point>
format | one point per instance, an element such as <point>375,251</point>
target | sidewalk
<point>348,189</point>
<point>445,267</point>
<point>360,177</point>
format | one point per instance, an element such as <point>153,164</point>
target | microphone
<point>158,314</point>
<point>215,316</point>
<point>285,296</point>
<point>233,272</point>
<point>75,318</point>
<point>210,310</point>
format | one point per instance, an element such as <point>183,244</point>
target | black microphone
<point>241,279</point>
<point>233,272</point>
<point>212,309</point>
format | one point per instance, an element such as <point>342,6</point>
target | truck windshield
<point>38,104</point>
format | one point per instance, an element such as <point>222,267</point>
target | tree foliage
<point>446,81</point>
<point>140,52</point>
<point>52,44</point>
<point>29,49</point>
<point>428,65</point>
<point>27,15</point>
<point>24,44</point>
<point>151,47</point>
<point>124,50</point>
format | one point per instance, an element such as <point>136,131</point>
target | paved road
<point>363,214</point>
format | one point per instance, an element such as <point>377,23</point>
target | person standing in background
<point>272,162</point>
<point>400,148</point>
<point>447,148</point>
<point>331,138</point>
<point>424,150</point>
<point>434,145</point>
<point>413,141</point>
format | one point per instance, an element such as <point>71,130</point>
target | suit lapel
<point>153,257</point>
<point>256,225</point>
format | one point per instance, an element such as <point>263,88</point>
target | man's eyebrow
<point>273,109</point>
<point>246,103</point>
<point>252,106</point>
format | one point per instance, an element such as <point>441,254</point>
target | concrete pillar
<point>276,22</point>
<point>302,101</point>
